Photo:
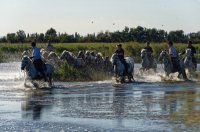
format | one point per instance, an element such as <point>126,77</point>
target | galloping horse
<point>189,65</point>
<point>71,59</point>
<point>146,62</point>
<point>32,73</point>
<point>119,68</point>
<point>168,66</point>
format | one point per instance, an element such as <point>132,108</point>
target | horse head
<point>64,55</point>
<point>188,52</point>
<point>25,62</point>
<point>114,58</point>
<point>162,55</point>
<point>68,56</point>
<point>143,53</point>
<point>99,58</point>
<point>80,54</point>
<point>92,53</point>
<point>25,53</point>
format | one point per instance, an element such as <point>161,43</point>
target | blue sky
<point>77,15</point>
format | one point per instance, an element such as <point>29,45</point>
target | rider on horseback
<point>37,61</point>
<point>193,51</point>
<point>149,53</point>
<point>120,54</point>
<point>174,56</point>
<point>175,60</point>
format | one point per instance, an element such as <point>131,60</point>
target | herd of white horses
<point>113,64</point>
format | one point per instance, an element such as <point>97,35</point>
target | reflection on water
<point>189,113</point>
<point>33,105</point>
<point>150,106</point>
<point>169,105</point>
<point>119,100</point>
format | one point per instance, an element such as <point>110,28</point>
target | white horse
<point>119,68</point>
<point>71,59</point>
<point>189,65</point>
<point>32,73</point>
<point>89,58</point>
<point>168,66</point>
<point>146,62</point>
<point>81,55</point>
<point>53,59</point>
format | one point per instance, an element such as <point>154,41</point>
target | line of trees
<point>138,34</point>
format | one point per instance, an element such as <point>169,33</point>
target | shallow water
<point>147,105</point>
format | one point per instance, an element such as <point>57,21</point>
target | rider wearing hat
<point>37,61</point>
<point>120,53</point>
<point>175,59</point>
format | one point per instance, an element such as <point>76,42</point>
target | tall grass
<point>68,73</point>
<point>131,49</point>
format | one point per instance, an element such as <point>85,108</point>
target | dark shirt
<point>149,49</point>
<point>120,53</point>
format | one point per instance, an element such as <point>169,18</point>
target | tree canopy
<point>138,34</point>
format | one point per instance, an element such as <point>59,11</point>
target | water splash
<point>10,72</point>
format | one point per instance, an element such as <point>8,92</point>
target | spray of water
<point>11,75</point>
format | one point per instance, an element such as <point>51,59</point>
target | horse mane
<point>25,56</point>
<point>52,54</point>
<point>143,50</point>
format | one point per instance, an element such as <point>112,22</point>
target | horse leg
<point>130,76</point>
<point>50,81</point>
<point>184,74</point>
<point>116,77</point>
<point>122,79</point>
<point>179,75</point>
